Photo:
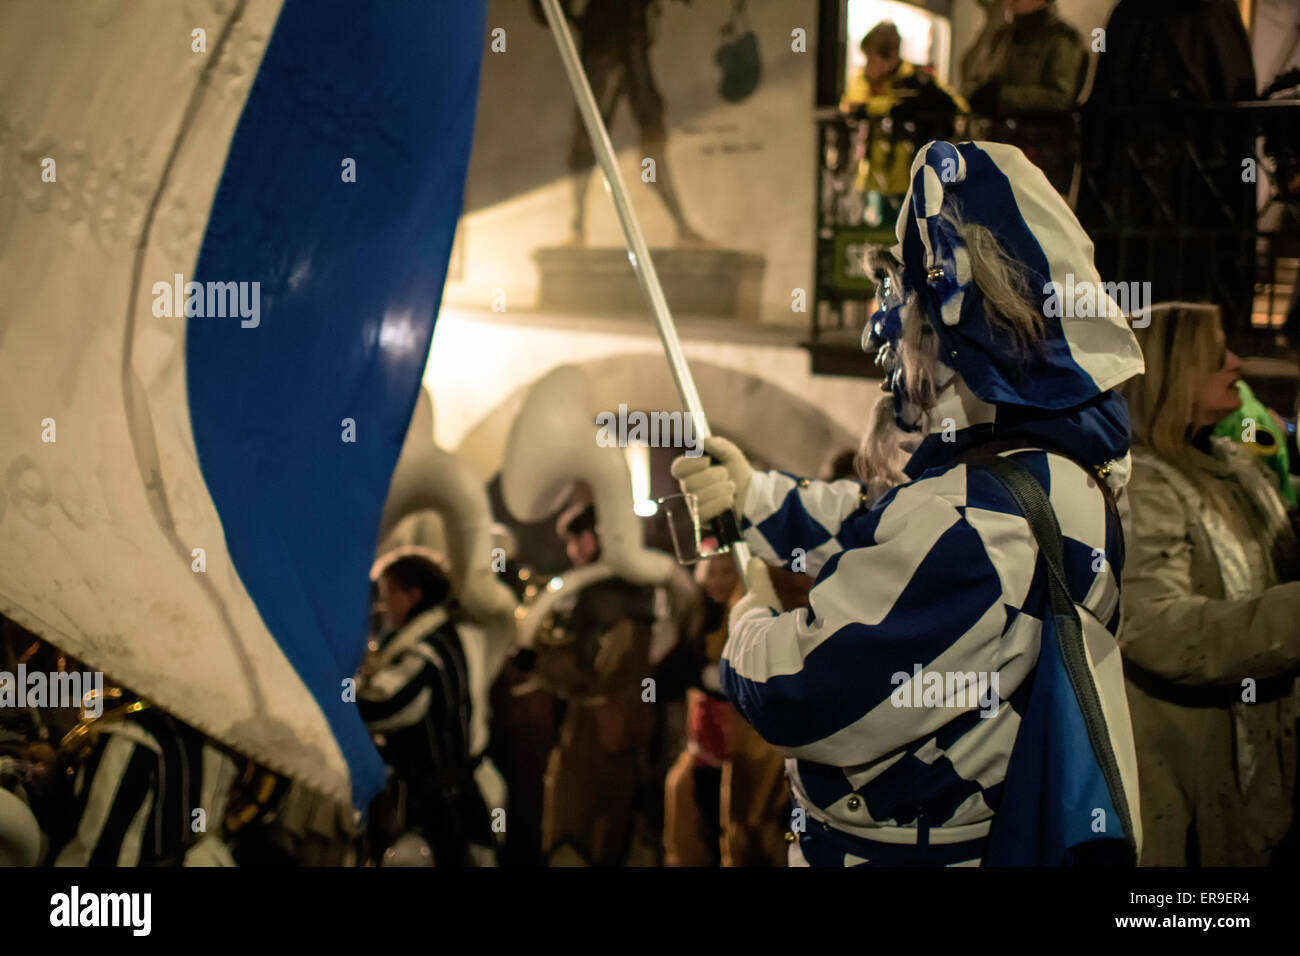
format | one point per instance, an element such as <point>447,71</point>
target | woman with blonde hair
<point>1211,637</point>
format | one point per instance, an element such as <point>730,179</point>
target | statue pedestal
<point>600,281</point>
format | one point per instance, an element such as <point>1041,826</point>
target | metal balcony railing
<point>1203,203</point>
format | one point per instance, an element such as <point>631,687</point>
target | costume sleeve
<point>1057,88</point>
<point>794,521</point>
<point>1185,637</point>
<point>919,588</point>
<point>115,799</point>
<point>398,695</point>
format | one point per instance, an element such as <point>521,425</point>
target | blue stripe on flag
<point>351,278</point>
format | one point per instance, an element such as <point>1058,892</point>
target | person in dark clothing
<point>1034,63</point>
<point>897,106</point>
<point>137,779</point>
<point>414,695</point>
<point>1282,150</point>
<point>593,651</point>
<point>1161,52</point>
<point>1173,212</point>
<point>693,788</point>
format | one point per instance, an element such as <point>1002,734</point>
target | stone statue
<point>614,38</point>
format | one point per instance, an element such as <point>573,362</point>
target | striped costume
<point>423,696</point>
<point>137,795</point>
<point>939,573</point>
<point>923,693</point>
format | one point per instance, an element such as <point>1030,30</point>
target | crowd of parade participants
<point>680,719</point>
<point>581,765</point>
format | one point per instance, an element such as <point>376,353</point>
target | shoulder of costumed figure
<point>1085,351</point>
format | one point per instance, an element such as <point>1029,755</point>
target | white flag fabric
<point>224,231</point>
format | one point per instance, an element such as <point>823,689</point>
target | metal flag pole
<point>638,252</point>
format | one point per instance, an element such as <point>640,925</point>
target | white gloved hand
<point>760,594</point>
<point>716,486</point>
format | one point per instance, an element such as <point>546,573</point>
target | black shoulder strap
<point>997,446</point>
<point>1032,502</point>
<point>1034,505</point>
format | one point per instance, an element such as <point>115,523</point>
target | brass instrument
<point>254,791</point>
<point>78,742</point>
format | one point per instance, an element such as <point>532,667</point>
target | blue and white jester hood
<point>941,577</point>
<point>1064,395</point>
<point>995,186</point>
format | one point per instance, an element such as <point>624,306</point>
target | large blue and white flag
<point>224,230</point>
